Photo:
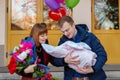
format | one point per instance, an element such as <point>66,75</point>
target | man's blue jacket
<point>89,38</point>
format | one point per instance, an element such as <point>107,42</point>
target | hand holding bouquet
<point>22,56</point>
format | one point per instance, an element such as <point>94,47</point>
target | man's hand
<point>30,68</point>
<point>71,60</point>
<point>85,70</point>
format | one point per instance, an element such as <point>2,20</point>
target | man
<point>79,33</point>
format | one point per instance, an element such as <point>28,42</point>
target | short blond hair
<point>65,19</point>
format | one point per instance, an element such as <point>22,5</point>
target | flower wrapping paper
<point>86,56</point>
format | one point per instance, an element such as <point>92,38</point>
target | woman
<point>39,35</point>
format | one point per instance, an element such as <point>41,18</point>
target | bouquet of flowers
<point>22,56</point>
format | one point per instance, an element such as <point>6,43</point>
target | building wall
<point>82,13</point>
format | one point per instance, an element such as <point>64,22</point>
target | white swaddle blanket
<point>86,56</point>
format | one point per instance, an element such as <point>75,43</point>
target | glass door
<point>23,14</point>
<point>106,26</point>
<point>105,15</point>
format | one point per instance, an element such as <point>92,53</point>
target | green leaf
<point>34,75</point>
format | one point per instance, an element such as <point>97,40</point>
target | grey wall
<point>2,32</point>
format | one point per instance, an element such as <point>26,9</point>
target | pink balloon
<point>52,4</point>
<point>60,1</point>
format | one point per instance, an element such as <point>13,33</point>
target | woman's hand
<point>71,60</point>
<point>85,70</point>
<point>30,68</point>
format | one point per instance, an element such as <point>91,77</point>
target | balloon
<point>71,3</point>
<point>60,1</point>
<point>52,4</point>
<point>57,14</point>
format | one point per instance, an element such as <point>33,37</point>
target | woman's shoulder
<point>28,39</point>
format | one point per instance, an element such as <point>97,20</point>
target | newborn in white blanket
<point>86,56</point>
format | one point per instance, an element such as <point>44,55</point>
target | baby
<point>86,56</point>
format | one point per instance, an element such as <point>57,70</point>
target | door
<point>106,26</point>
<point>23,14</point>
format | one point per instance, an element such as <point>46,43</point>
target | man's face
<point>68,30</point>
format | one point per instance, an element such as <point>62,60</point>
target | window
<point>106,14</point>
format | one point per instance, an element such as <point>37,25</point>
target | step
<point>56,72</point>
<point>114,75</point>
